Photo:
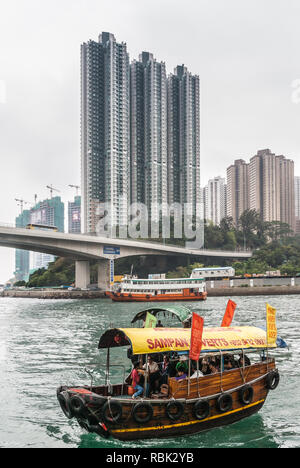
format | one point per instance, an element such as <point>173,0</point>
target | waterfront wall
<point>253,282</point>
<point>255,291</point>
<point>53,294</point>
<point>254,287</point>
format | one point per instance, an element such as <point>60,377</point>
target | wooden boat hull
<point>187,427</point>
<point>155,419</point>
<point>117,297</point>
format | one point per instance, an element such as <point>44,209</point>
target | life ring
<point>63,400</point>
<point>144,406</point>
<point>272,380</point>
<point>201,409</point>
<point>224,402</point>
<point>179,410</point>
<point>77,406</point>
<point>112,412</point>
<point>246,394</point>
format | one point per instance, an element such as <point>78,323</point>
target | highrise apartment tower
<point>271,187</point>
<point>237,189</point>
<point>148,129</point>
<point>215,200</point>
<point>105,164</point>
<point>297,204</point>
<point>184,137</point>
<point>287,191</point>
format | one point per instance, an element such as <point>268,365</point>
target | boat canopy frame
<point>182,313</point>
<point>145,341</point>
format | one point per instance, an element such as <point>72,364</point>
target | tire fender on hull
<point>111,412</point>
<point>64,401</point>
<point>144,406</point>
<point>246,394</point>
<point>77,406</point>
<point>224,403</point>
<point>201,410</point>
<point>178,406</point>
<point>272,380</point>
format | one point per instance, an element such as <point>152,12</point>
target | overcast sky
<point>245,52</point>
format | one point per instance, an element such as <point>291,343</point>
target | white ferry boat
<point>148,290</point>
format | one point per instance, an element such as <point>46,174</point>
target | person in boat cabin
<point>165,370</point>
<point>135,381</point>
<point>181,373</point>
<point>244,361</point>
<point>154,375</point>
<point>229,362</point>
<point>204,366</point>
<point>195,373</point>
<point>213,366</point>
<point>159,324</point>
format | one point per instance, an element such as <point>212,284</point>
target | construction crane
<point>77,187</point>
<point>21,203</point>
<point>52,189</point>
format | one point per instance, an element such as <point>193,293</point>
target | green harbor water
<point>45,344</point>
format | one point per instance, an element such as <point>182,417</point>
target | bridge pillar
<point>104,274</point>
<point>82,274</point>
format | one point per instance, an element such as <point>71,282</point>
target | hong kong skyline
<point>245,55</point>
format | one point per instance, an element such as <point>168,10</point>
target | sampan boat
<point>185,406</point>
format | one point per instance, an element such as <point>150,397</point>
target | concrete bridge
<point>83,248</point>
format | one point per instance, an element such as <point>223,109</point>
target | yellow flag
<point>151,321</point>
<point>271,326</point>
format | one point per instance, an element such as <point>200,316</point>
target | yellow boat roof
<point>159,340</point>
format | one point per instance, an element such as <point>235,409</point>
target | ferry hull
<point>118,297</point>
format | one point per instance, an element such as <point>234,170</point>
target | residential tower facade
<point>105,167</point>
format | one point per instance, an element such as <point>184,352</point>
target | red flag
<point>228,316</point>
<point>196,337</point>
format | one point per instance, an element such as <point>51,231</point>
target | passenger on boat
<point>154,375</point>
<point>165,370</point>
<point>204,366</point>
<point>159,324</point>
<point>213,367</point>
<point>229,362</point>
<point>135,381</point>
<point>195,373</point>
<point>244,361</point>
<point>181,365</point>
<point>181,373</point>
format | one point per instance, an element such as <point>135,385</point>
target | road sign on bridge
<point>111,250</point>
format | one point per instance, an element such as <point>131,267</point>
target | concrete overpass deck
<point>83,248</point>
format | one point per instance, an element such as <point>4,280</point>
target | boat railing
<point>177,386</point>
<point>91,372</point>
